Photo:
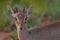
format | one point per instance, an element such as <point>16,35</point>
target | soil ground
<point>8,35</point>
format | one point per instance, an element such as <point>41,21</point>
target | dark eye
<point>25,19</point>
<point>15,18</point>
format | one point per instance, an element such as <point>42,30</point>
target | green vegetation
<point>41,8</point>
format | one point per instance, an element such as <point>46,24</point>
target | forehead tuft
<point>19,13</point>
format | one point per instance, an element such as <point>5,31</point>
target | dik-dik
<point>51,32</point>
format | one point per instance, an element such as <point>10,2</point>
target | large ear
<point>10,11</point>
<point>29,10</point>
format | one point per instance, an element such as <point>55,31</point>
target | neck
<point>22,34</point>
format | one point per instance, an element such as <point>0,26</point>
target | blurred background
<point>43,11</point>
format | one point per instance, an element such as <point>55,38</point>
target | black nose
<point>21,28</point>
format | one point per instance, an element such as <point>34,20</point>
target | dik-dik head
<point>20,16</point>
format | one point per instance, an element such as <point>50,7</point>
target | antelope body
<point>51,32</point>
